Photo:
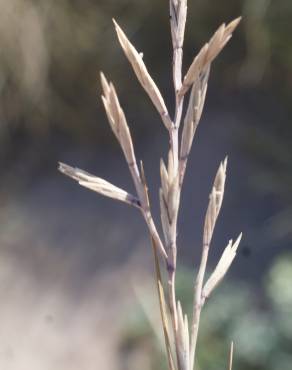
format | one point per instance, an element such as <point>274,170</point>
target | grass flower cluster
<point>180,332</point>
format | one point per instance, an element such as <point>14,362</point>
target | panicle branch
<point>215,202</point>
<point>172,175</point>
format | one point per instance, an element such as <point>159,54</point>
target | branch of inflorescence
<point>179,335</point>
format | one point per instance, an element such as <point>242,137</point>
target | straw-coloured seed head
<point>178,14</point>
<point>117,119</point>
<point>164,179</point>
<point>183,338</point>
<point>165,221</point>
<point>222,266</point>
<point>194,112</point>
<point>98,185</point>
<point>143,75</point>
<point>215,202</point>
<point>208,53</point>
<point>173,198</point>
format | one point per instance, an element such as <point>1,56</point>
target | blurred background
<point>76,289</point>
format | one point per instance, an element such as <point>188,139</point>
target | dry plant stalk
<point>180,336</point>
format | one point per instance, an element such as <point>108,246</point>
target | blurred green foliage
<point>259,323</point>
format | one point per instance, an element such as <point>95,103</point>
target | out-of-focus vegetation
<point>51,53</point>
<point>259,324</point>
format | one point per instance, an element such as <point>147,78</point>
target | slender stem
<point>153,231</point>
<point>145,209</point>
<point>177,40</point>
<point>231,356</point>
<point>198,303</point>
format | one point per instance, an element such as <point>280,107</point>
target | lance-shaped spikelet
<point>178,16</point>
<point>143,75</point>
<point>183,339</point>
<point>215,202</point>
<point>164,178</point>
<point>222,267</point>
<point>117,119</point>
<point>99,185</point>
<point>208,53</point>
<point>163,196</point>
<point>169,199</point>
<point>192,117</point>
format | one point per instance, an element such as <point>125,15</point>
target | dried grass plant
<point>180,336</point>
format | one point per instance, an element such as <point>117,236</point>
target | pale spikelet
<point>187,337</point>
<point>183,339</point>
<point>178,14</point>
<point>117,119</point>
<point>180,332</point>
<point>170,167</point>
<point>215,202</point>
<point>164,179</point>
<point>98,185</point>
<point>143,75</point>
<point>164,218</point>
<point>169,199</point>
<point>194,112</point>
<point>173,198</point>
<point>219,184</point>
<point>222,267</point>
<point>208,53</point>
<point>181,24</point>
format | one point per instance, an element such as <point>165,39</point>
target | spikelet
<point>143,75</point>
<point>178,14</point>
<point>169,198</point>
<point>194,112</point>
<point>164,179</point>
<point>222,267</point>
<point>117,119</point>
<point>98,185</point>
<point>215,202</point>
<point>208,53</point>
<point>165,221</point>
<point>183,339</point>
